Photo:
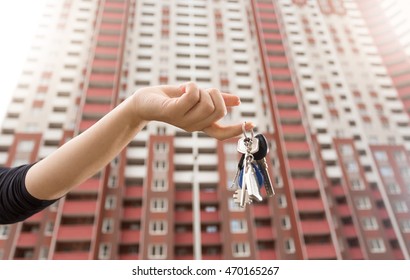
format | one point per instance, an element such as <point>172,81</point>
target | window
<point>346,150</point>
<point>285,222</point>
<point>356,185</point>
<point>43,253</point>
<point>290,246</point>
<point>376,245</point>
<point>157,251</point>
<point>405,173</point>
<point>112,181</point>
<point>370,223</point>
<point>393,188</point>
<point>405,225</point>
<point>400,157</point>
<point>161,147</point>
<point>159,205</point>
<point>380,156</point>
<point>4,231</point>
<point>110,202</point>
<point>234,207</point>
<point>351,167</point>
<point>363,203</point>
<point>107,225</point>
<point>386,171</point>
<point>158,227</point>
<point>241,249</point>
<point>159,185</point>
<point>401,206</point>
<point>104,251</point>
<point>239,226</point>
<point>25,146</point>
<point>282,201</point>
<point>160,165</point>
<point>49,228</point>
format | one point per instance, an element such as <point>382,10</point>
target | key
<point>238,171</point>
<point>245,142</point>
<point>251,183</point>
<point>260,158</point>
<point>237,197</point>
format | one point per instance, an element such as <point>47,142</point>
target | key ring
<point>244,131</point>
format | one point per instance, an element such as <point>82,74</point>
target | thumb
<point>223,132</point>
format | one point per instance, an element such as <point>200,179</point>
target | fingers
<point>225,132</point>
<point>210,109</point>
<point>188,99</point>
<point>230,99</point>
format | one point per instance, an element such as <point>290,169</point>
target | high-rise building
<point>317,77</point>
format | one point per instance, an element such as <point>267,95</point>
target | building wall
<point>310,74</point>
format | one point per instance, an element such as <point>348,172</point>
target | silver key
<point>248,145</point>
<point>251,184</point>
<point>237,198</point>
<point>263,166</point>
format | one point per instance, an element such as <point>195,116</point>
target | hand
<point>189,108</point>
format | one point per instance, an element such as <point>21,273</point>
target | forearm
<point>85,154</point>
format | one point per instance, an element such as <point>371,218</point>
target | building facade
<point>318,78</point>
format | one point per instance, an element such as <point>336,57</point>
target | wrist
<point>133,115</point>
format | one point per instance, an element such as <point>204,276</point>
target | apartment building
<point>311,74</point>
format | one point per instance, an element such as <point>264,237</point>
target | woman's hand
<point>188,108</point>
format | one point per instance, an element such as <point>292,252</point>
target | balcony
<point>310,205</point>
<point>264,233</point>
<point>129,256</point>
<point>208,196</point>
<point>297,130</point>
<point>27,239</point>
<point>130,236</point>
<point>75,232</point>
<point>111,26</point>
<point>276,48</point>
<point>280,85</point>
<point>267,255</point>
<point>337,191</point>
<point>184,238</point>
<point>96,110</point>
<point>78,255</point>
<point>305,184</point>
<point>261,211</point>
<point>80,208</point>
<point>297,148</point>
<point>280,73</point>
<point>315,227</point>
<point>100,77</point>
<point>132,213</point>
<point>356,253</point>
<point>110,15</point>
<point>183,196</point>
<point>91,185</point>
<point>183,217</point>
<point>114,5</point>
<point>301,164</point>
<point>320,251</point>
<point>344,210</point>
<point>276,37</point>
<point>133,192</point>
<point>209,216</point>
<point>100,63</point>
<point>211,238</point>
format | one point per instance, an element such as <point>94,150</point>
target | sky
<point>18,25</point>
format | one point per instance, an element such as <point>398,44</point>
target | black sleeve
<point>16,203</point>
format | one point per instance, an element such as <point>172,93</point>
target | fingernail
<point>249,125</point>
